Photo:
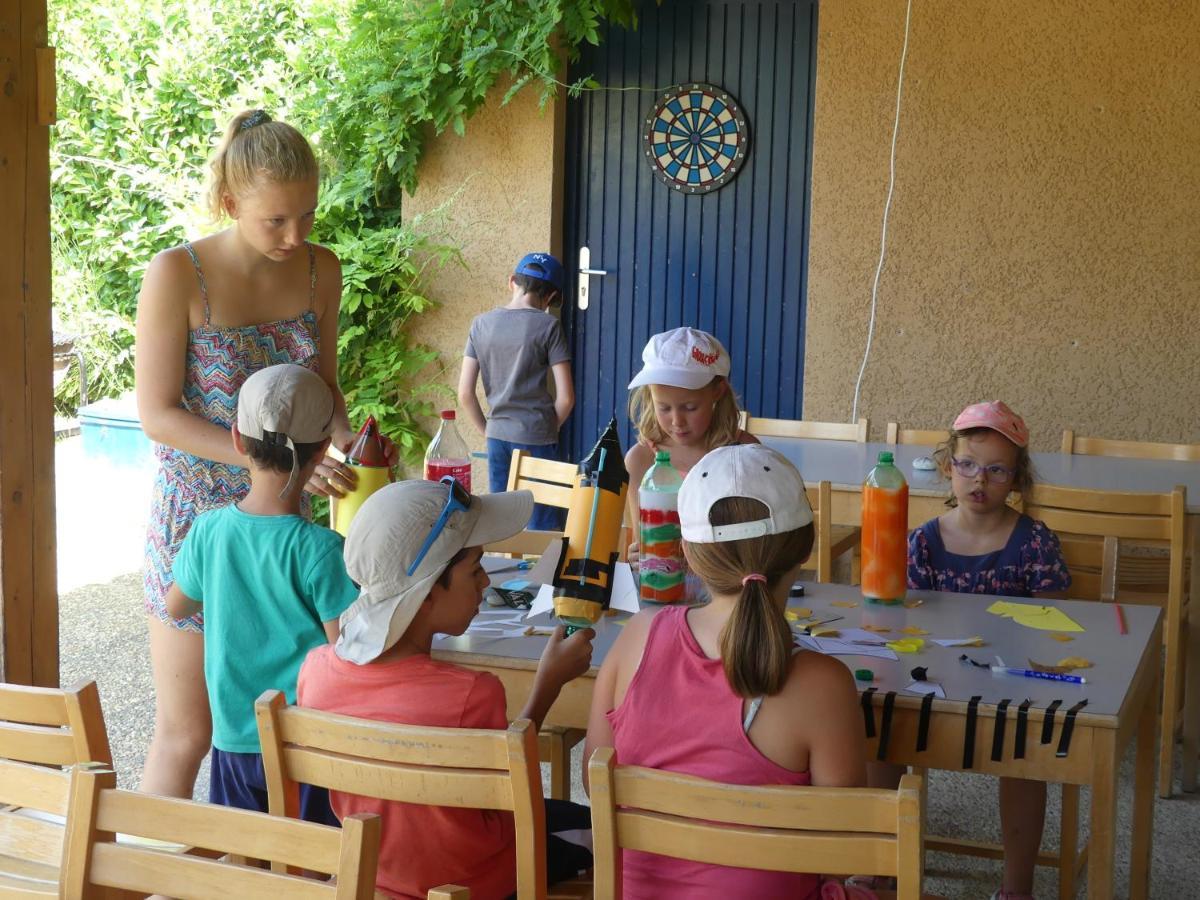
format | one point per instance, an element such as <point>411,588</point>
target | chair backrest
<point>1094,446</point>
<point>45,727</point>
<point>918,436</point>
<point>33,847</point>
<point>463,767</point>
<point>1082,518</point>
<point>524,543</point>
<point>221,838</point>
<point>783,829</point>
<point>549,480</point>
<point>819,499</point>
<point>801,428</point>
<point>53,727</point>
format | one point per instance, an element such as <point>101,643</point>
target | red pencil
<point>1122,628</point>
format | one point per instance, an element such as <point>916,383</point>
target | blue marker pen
<point>1032,673</point>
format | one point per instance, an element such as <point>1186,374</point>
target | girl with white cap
<point>681,401</point>
<point>719,691</point>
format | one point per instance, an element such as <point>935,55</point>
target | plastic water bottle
<point>885,533</point>
<point>448,454</point>
<point>662,570</point>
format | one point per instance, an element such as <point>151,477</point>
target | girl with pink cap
<point>981,545</point>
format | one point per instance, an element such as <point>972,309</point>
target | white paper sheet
<point>957,642</point>
<point>837,647</point>
<point>926,687</point>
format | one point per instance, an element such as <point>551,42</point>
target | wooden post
<point>28,589</point>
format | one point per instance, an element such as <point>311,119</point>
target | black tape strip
<point>923,722</point>
<point>969,737</point>
<point>885,728</point>
<point>868,711</point>
<point>1022,725</point>
<point>998,730</point>
<point>1048,722</point>
<point>1064,740</point>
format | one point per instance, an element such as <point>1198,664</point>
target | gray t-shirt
<point>515,348</point>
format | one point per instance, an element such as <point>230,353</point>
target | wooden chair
<point>917,436</point>
<point>832,541</point>
<point>45,727</point>
<point>32,850</point>
<point>801,428</point>
<point>784,829</point>
<point>1148,519</point>
<point>1094,446</point>
<point>97,861</point>
<point>463,767</point>
<point>549,480</point>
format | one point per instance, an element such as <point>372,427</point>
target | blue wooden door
<point>732,261</point>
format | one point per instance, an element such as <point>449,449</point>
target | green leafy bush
<point>146,87</point>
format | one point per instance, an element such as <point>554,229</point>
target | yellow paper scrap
<point>1062,638</point>
<point>913,629</point>
<point>826,632</point>
<point>844,604</point>
<point>912,604</point>
<point>878,629</point>
<point>1075,662</point>
<point>1044,618</point>
<point>907,645</point>
<point>796,613</point>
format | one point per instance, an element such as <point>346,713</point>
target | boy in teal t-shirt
<point>271,584</point>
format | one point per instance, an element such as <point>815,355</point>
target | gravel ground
<point>103,636</point>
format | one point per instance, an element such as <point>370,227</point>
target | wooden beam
<point>28,589</point>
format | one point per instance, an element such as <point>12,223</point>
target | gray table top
<point>845,464</point>
<point>944,615</point>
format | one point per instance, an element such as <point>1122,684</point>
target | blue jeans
<point>238,780</point>
<point>545,518</point>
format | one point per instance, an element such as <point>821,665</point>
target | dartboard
<point>696,138</point>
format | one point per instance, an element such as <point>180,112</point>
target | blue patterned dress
<point>218,361</point>
<point>1029,563</point>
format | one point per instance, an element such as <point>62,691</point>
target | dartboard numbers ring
<point>696,138</point>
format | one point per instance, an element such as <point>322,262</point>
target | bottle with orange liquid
<point>884,533</point>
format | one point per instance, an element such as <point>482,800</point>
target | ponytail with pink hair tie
<point>754,576</point>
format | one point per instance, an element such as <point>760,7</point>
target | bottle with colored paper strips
<point>662,570</point>
<point>448,454</point>
<point>884,533</point>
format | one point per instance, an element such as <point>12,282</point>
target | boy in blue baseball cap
<point>512,347</point>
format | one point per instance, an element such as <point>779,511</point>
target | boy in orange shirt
<point>415,549</point>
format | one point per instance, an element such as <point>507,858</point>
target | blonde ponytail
<point>756,642</point>
<point>257,150</point>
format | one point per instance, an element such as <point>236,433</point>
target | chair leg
<point>1191,703</point>
<point>1068,848</point>
<point>1173,677</point>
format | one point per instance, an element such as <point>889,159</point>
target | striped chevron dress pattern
<point>218,361</point>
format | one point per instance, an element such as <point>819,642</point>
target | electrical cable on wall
<point>887,208</point>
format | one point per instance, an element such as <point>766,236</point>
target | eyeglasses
<point>995,473</point>
<point>458,500</point>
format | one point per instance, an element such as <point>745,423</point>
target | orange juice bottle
<point>884,533</point>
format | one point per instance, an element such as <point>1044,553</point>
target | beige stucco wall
<point>1044,237</point>
<point>1044,245</point>
<point>497,198</point>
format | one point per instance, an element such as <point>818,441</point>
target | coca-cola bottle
<point>448,454</point>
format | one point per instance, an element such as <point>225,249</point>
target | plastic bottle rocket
<point>367,458</point>
<point>885,533</point>
<point>583,578</point>
<point>663,569</point>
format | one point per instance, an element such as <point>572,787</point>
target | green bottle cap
<point>886,458</point>
<point>662,456</point>
<point>864,675</point>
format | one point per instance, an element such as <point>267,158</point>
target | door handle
<point>585,273</point>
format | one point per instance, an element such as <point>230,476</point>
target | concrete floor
<point>103,636</point>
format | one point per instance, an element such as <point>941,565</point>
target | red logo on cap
<point>705,359</point>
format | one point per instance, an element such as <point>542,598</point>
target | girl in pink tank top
<point>719,691</point>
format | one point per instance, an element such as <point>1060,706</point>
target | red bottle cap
<point>448,414</point>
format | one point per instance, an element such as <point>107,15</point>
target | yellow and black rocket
<point>583,579</point>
